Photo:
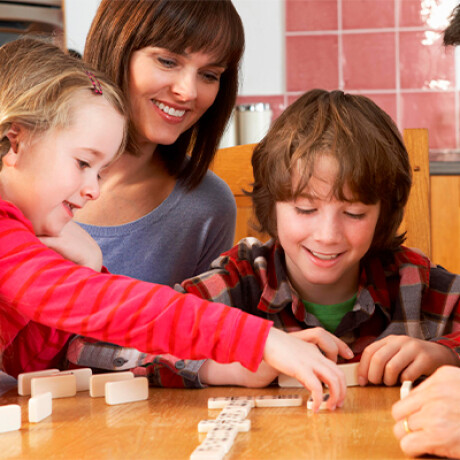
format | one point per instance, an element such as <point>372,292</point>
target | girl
<point>163,216</point>
<point>60,126</point>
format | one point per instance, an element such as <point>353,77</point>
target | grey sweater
<point>177,240</point>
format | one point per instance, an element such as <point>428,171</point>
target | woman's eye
<point>83,164</point>
<point>211,77</point>
<point>166,62</point>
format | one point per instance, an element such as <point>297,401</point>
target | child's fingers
<point>328,343</point>
<point>365,362</point>
<point>399,364</point>
<point>334,377</point>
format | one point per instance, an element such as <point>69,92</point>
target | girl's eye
<point>166,62</point>
<point>83,164</point>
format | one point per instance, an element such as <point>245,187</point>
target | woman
<point>162,216</point>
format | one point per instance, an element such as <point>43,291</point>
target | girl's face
<point>49,176</point>
<point>168,92</point>
<point>325,239</point>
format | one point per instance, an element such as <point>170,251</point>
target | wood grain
<point>165,427</point>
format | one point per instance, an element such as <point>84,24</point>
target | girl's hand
<point>76,244</point>
<point>328,343</point>
<point>214,373</point>
<point>304,362</point>
<point>432,414</point>
<point>401,357</point>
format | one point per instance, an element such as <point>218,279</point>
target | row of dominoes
<point>44,386</point>
<point>221,431</point>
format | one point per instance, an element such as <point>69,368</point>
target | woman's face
<point>169,92</point>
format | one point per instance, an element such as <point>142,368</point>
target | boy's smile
<point>324,239</point>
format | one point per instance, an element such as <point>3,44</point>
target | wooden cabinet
<point>445,221</point>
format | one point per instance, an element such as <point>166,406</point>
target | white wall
<point>78,15</point>
<point>263,69</point>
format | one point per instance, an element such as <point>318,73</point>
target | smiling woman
<point>162,216</point>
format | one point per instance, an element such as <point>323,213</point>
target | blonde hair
<point>40,85</point>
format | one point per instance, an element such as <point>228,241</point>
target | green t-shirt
<point>330,315</point>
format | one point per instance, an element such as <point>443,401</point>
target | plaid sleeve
<point>444,302</point>
<point>161,370</point>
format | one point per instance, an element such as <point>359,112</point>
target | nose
<point>329,230</point>
<point>91,189</point>
<point>185,86</point>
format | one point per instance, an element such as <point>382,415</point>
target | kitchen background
<point>388,50</point>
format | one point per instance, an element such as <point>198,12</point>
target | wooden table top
<point>165,427</point>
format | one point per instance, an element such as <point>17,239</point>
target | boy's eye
<point>83,164</point>
<point>356,216</point>
<point>305,210</point>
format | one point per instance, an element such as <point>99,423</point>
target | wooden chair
<point>233,164</point>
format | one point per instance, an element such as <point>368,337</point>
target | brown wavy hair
<point>373,161</point>
<point>121,27</point>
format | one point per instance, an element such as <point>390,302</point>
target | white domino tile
<point>221,402</point>
<point>25,378</point>
<point>208,451</point>
<point>127,391</point>
<point>82,377</point>
<point>278,400</point>
<point>60,386</point>
<point>232,417</point>
<point>10,418</point>
<point>322,406</point>
<point>225,439</point>
<point>351,373</point>
<point>230,409</point>
<point>97,382</point>
<point>207,425</point>
<point>405,388</point>
<point>40,407</point>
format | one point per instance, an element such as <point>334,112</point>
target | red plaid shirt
<point>399,293</point>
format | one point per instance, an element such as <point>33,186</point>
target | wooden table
<point>165,427</point>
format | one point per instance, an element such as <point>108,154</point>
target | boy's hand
<point>304,362</point>
<point>403,357</point>
<point>328,343</point>
<point>432,414</point>
<point>77,245</point>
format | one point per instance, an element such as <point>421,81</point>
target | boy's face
<point>324,239</point>
<point>49,176</point>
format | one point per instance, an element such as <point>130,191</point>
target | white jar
<point>253,122</point>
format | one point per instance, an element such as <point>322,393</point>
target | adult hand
<point>304,362</point>
<point>431,413</point>
<point>77,245</point>
<point>400,356</point>
<point>328,343</point>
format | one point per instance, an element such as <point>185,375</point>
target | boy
<point>332,178</point>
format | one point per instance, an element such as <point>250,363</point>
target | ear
<point>14,135</point>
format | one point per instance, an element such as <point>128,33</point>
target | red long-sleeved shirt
<point>44,298</point>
